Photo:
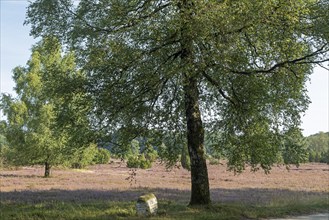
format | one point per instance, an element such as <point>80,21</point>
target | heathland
<point>110,191</point>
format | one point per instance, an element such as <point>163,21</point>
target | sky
<point>15,44</point>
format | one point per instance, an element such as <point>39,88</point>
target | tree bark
<point>47,169</point>
<point>200,194</point>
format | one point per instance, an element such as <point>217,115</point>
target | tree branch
<point>301,60</point>
<point>216,84</point>
<point>117,29</point>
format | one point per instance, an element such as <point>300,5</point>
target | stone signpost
<point>147,205</point>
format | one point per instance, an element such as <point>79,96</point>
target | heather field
<point>109,191</point>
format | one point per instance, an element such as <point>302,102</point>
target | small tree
<point>83,157</point>
<point>294,147</point>
<point>37,128</point>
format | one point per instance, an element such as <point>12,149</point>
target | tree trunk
<point>200,194</point>
<point>47,169</point>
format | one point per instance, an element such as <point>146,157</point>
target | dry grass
<point>109,182</point>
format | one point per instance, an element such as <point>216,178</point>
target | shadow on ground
<point>248,196</point>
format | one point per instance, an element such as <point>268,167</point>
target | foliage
<point>251,74</point>
<point>83,157</point>
<point>294,151</point>
<point>45,120</point>
<point>3,150</point>
<point>170,148</point>
<point>186,66</point>
<point>211,145</point>
<point>133,162</point>
<point>126,150</point>
<point>150,153</point>
<point>185,159</point>
<point>144,163</point>
<point>3,141</point>
<point>139,162</point>
<point>102,156</point>
<point>139,154</point>
<point>318,147</point>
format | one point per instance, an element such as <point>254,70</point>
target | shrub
<point>102,156</point>
<point>83,157</point>
<point>139,162</point>
<point>133,162</point>
<point>143,163</point>
<point>149,153</point>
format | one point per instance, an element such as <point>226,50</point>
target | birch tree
<point>190,66</point>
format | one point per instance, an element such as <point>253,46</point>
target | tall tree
<point>183,66</point>
<point>37,129</point>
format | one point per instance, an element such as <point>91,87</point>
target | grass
<point>167,210</point>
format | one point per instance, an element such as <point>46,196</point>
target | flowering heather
<point>111,183</point>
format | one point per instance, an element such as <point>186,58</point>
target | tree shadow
<point>19,176</point>
<point>246,196</point>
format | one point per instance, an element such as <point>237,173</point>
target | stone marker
<point>147,205</point>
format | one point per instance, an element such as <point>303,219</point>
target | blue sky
<point>15,51</point>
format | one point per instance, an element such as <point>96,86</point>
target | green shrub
<point>133,162</point>
<point>83,157</point>
<point>139,162</point>
<point>149,153</point>
<point>102,156</point>
<point>143,163</point>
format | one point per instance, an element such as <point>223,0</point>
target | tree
<point>186,66</point>
<point>294,149</point>
<point>35,129</point>
<point>317,146</point>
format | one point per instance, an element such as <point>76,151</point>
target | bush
<point>83,157</point>
<point>133,162</point>
<point>139,162</point>
<point>102,156</point>
<point>149,153</point>
<point>143,163</point>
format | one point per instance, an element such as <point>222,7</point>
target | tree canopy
<point>186,66</point>
<point>37,129</point>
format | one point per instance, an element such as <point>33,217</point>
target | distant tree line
<point>318,147</point>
